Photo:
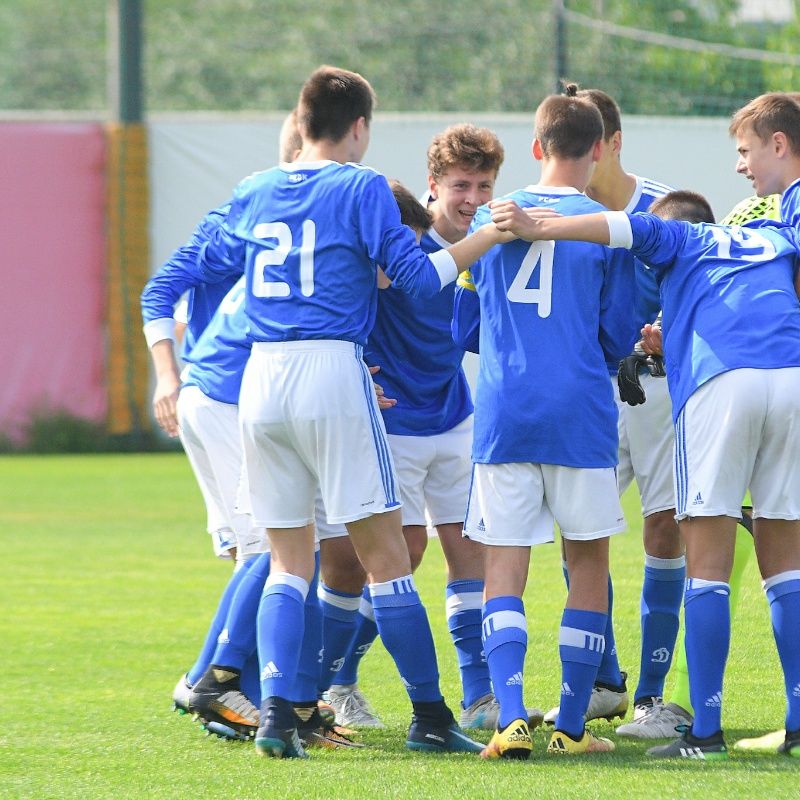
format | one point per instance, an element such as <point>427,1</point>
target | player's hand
<point>523,223</point>
<point>652,340</point>
<point>165,403</point>
<point>630,388</point>
<point>383,401</point>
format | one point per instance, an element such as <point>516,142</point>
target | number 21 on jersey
<point>277,255</point>
<point>541,254</point>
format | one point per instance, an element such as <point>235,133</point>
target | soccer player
<point>430,427</point>
<point>645,454</point>
<point>308,237</point>
<point>545,444</point>
<point>737,422</point>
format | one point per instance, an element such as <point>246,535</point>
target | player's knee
<point>661,535</point>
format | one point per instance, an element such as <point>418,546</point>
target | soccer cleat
<point>643,706</point>
<point>351,707</point>
<point>180,696</point>
<point>315,731</point>
<point>216,697</point>
<point>485,711</point>
<point>513,741</point>
<point>562,743</point>
<point>711,748</point>
<point>661,722</point>
<point>768,743</point>
<point>224,732</point>
<point>791,744</point>
<point>606,702</point>
<point>327,712</point>
<point>277,733</point>
<point>441,736</point>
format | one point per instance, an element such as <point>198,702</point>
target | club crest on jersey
<point>296,177</point>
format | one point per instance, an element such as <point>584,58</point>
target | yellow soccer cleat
<point>563,744</point>
<point>513,741</point>
<point>768,743</point>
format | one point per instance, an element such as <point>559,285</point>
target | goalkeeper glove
<point>630,387</point>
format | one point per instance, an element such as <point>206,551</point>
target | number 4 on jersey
<point>541,254</point>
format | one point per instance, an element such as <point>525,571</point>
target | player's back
<point>728,297</point>
<point>550,316</point>
<point>311,234</point>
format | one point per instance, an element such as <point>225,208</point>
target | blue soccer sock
<point>464,618</point>
<point>581,641</point>
<point>339,623</point>
<point>237,641</point>
<point>662,593</point>
<point>281,624</point>
<point>306,683</point>
<point>217,624</point>
<point>505,642</point>
<point>783,593</point>
<point>406,634</point>
<point>365,635</point>
<point>249,680</point>
<point>608,672</point>
<point>708,632</point>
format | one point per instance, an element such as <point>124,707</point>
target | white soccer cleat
<point>644,706</point>
<point>351,707</point>
<point>180,696</point>
<point>606,702</point>
<point>484,712</point>
<point>662,722</point>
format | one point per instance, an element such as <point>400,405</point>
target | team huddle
<point>325,412</point>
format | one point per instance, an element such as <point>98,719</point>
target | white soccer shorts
<point>645,446</point>
<point>433,473</point>
<point>740,430</point>
<point>209,431</point>
<point>516,504</point>
<point>309,417</point>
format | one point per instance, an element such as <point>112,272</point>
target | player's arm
<point>466,322</point>
<point>540,224</point>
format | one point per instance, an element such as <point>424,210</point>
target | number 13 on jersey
<point>541,254</point>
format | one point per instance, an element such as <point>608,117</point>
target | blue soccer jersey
<point>309,237</point>
<point>179,275</point>
<point>420,363</point>
<point>728,297</point>
<point>217,361</point>
<point>648,302</point>
<point>790,205</point>
<point>550,315</point>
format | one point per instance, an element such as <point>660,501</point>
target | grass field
<point>107,584</point>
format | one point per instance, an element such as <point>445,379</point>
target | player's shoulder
<point>645,193</point>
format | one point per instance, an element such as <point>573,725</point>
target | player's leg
<point>507,530</point>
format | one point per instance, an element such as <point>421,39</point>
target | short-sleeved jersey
<point>420,363</point>
<point>648,303</point>
<point>309,237</point>
<point>550,315</point>
<point>790,205</point>
<point>728,297</point>
<point>179,275</point>
<point>217,361</point>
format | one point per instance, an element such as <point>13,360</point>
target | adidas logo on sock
<point>271,671</point>
<point>223,637</point>
<point>566,690</point>
<point>796,691</point>
<point>408,686</point>
<point>698,500</point>
<point>515,680</point>
<point>715,701</point>
<point>660,656</point>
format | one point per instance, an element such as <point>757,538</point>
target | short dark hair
<point>412,212</point>
<point>568,127</point>
<point>331,100</point>
<point>466,146</point>
<point>684,205</point>
<point>606,105</point>
<point>770,113</point>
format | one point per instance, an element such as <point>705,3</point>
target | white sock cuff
<point>664,563</point>
<point>287,579</point>
<point>403,585</point>
<point>781,577</point>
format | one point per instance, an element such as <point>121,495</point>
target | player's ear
<point>536,149</point>
<point>360,127</point>
<point>432,188</point>
<point>597,150</point>
<point>616,141</point>
<point>780,144</point>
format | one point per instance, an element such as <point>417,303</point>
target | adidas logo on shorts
<point>515,680</point>
<point>698,500</point>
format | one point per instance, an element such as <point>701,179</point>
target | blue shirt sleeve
<point>180,272</point>
<point>657,241</point>
<point>466,324</point>
<point>619,329</point>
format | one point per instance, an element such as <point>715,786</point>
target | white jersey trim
<point>619,229</point>
<point>536,188</point>
<point>445,266</point>
<point>439,239</point>
<point>159,329</point>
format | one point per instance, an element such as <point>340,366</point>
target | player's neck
<point>613,188</point>
<point>326,150</point>
<point>565,172</point>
